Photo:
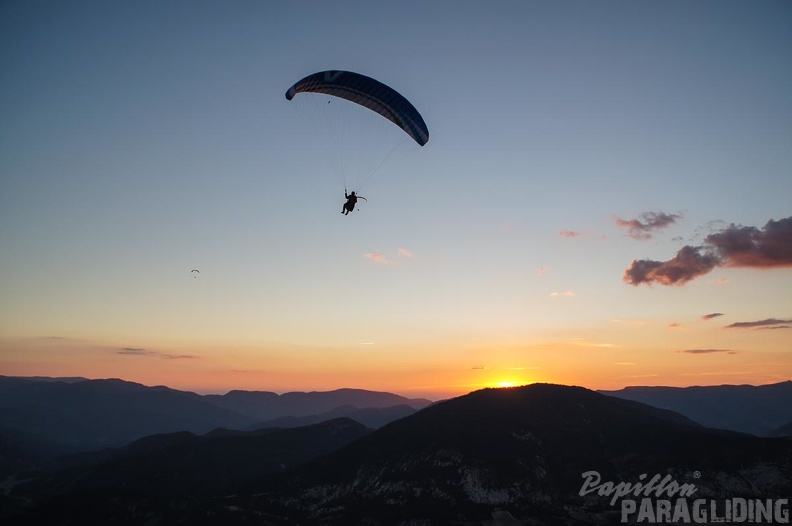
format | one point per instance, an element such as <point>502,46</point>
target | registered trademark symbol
<point>697,474</point>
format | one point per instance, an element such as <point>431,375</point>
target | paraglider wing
<point>369,93</point>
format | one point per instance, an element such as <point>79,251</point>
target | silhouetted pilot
<point>349,206</point>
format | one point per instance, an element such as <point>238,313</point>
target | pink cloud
<point>647,223</point>
<point>746,247</point>
<point>376,257</point>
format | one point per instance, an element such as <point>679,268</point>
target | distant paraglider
<point>196,271</point>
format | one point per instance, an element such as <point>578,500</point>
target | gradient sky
<point>141,140</point>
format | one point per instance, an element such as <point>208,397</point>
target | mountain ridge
<point>520,452</point>
<point>758,410</point>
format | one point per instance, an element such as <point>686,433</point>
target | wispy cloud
<point>567,294</point>
<point>707,351</point>
<point>647,224</point>
<point>746,247</point>
<point>376,257</point>
<point>582,342</point>
<point>132,350</point>
<point>480,368</point>
<point>710,316</point>
<point>568,233</point>
<point>137,351</point>
<point>379,257</point>
<point>770,323</point>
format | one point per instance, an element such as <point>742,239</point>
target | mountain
<point>94,414</point>
<point>184,464</point>
<point>373,417</point>
<point>758,410</point>
<point>263,406</point>
<point>488,456</point>
<point>19,451</point>
<point>782,431</point>
<point>77,415</point>
<point>525,449</point>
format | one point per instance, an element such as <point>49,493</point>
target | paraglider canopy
<point>369,93</point>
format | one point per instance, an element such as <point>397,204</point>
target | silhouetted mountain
<point>518,452</point>
<point>64,379</point>
<point>782,431</point>
<point>94,414</point>
<point>183,464</point>
<point>373,417</point>
<point>82,415</point>
<point>20,451</point>
<point>524,449</point>
<point>746,408</point>
<point>264,406</point>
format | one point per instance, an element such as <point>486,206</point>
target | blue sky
<point>141,140</point>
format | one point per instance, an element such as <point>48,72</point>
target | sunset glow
<point>603,200</point>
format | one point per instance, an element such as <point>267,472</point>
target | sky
<point>604,199</point>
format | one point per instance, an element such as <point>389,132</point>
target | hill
<point>58,416</point>
<point>264,406</point>
<point>184,464</point>
<point>520,452</point>
<point>94,414</point>
<point>758,410</point>
<point>526,449</point>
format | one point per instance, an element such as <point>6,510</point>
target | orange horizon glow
<point>218,373</point>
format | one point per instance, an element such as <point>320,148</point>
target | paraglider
<point>348,126</point>
<point>369,93</point>
<point>351,198</point>
<point>195,270</point>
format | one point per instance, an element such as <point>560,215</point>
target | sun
<point>505,384</point>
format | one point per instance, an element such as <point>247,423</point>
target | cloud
<point>568,233</point>
<point>379,257</point>
<point>582,342</point>
<point>745,247</point>
<point>751,247</point>
<point>137,351</point>
<point>376,257</point>
<point>689,263</point>
<point>134,351</point>
<point>707,351</point>
<point>647,224</point>
<point>710,316</point>
<point>480,368</point>
<point>567,294</point>
<point>770,323</point>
